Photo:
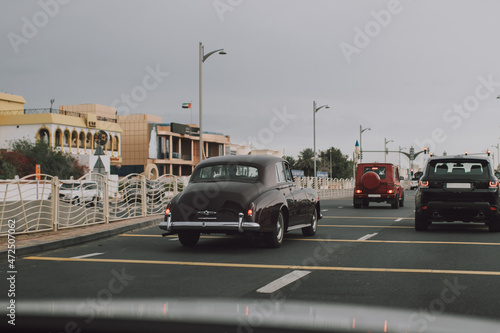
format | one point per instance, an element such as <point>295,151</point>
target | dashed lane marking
<point>290,267</point>
<point>87,255</point>
<point>282,282</point>
<point>366,237</point>
<point>399,219</point>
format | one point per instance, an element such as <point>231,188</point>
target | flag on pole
<point>186,105</point>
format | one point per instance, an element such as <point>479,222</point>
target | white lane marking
<point>87,255</point>
<point>340,207</point>
<point>282,281</point>
<point>397,220</point>
<point>365,237</point>
<point>174,239</point>
<point>324,210</point>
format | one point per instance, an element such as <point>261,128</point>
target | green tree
<point>306,162</point>
<point>340,165</point>
<point>291,160</point>
<point>52,162</point>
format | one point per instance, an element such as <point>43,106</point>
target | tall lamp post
<point>385,148</point>
<point>51,104</point>
<point>497,146</point>
<point>204,57</point>
<point>315,109</point>
<point>361,130</point>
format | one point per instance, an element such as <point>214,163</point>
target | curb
<point>30,249</point>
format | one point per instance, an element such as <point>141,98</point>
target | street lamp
<point>385,148</point>
<point>315,109</point>
<point>51,104</point>
<point>361,130</point>
<point>204,57</point>
<point>400,150</point>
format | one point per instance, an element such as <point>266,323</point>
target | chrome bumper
<point>240,226</point>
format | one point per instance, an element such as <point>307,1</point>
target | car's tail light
<point>424,207</point>
<point>390,191</point>
<point>167,210</point>
<point>424,184</point>
<point>494,184</point>
<point>251,209</point>
<point>359,191</point>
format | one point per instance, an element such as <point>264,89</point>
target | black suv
<point>458,188</point>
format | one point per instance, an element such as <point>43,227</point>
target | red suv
<point>378,182</point>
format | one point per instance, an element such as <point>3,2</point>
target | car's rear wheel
<point>421,222</point>
<point>189,238</point>
<point>311,230</point>
<point>274,239</point>
<point>395,203</point>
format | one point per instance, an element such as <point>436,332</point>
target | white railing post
<point>105,198</point>
<point>55,203</point>
<point>144,196</point>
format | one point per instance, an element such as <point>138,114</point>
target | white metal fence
<point>53,204</point>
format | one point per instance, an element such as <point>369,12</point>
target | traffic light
<point>425,150</point>
<point>488,152</point>
<point>466,153</point>
<point>411,171</point>
<point>431,154</point>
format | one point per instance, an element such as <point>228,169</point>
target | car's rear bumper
<point>173,227</point>
<point>360,198</point>
<point>458,211</point>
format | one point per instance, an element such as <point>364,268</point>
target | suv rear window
<point>380,171</point>
<point>458,169</point>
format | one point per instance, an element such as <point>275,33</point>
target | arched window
<point>44,135</point>
<point>74,139</point>
<point>116,141</point>
<point>59,138</point>
<point>81,141</point>
<point>89,142</point>
<point>109,145</point>
<point>66,138</point>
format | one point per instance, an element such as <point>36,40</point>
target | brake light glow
<point>167,210</point>
<point>390,191</point>
<point>359,191</point>
<point>424,183</point>
<point>251,208</point>
<point>494,184</point>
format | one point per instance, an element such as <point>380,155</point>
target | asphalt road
<point>370,256</point>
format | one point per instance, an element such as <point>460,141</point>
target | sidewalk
<point>43,241</point>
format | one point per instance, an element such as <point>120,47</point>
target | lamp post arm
<point>210,53</point>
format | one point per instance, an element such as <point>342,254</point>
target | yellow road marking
<point>344,240</point>
<point>367,217</point>
<point>290,267</point>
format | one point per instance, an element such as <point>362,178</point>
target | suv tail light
<point>493,184</point>
<point>167,210</point>
<point>424,184</point>
<point>251,209</point>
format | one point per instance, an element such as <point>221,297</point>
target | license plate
<point>458,185</point>
<point>373,195</point>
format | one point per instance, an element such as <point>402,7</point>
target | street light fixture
<point>361,130</point>
<point>497,146</point>
<point>385,148</point>
<point>51,104</point>
<point>315,109</point>
<point>204,57</point>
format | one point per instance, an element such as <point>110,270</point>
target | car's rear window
<point>380,171</point>
<point>458,169</point>
<point>226,172</point>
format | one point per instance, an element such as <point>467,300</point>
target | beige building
<point>171,148</point>
<point>70,128</point>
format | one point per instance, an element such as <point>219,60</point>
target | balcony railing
<point>57,111</point>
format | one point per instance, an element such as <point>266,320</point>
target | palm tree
<point>306,162</point>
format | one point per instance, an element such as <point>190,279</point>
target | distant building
<point>248,149</point>
<point>151,146</point>
<point>70,129</point>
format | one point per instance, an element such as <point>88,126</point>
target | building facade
<point>172,148</point>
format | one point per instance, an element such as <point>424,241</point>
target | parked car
<point>415,179</point>
<point>78,192</point>
<point>458,188</point>
<point>378,182</point>
<point>242,195</point>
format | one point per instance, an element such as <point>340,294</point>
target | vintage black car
<point>242,195</point>
<point>458,188</point>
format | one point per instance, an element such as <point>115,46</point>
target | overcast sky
<point>419,73</point>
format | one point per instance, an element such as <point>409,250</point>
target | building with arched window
<point>70,128</point>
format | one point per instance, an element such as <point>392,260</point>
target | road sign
<point>37,172</point>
